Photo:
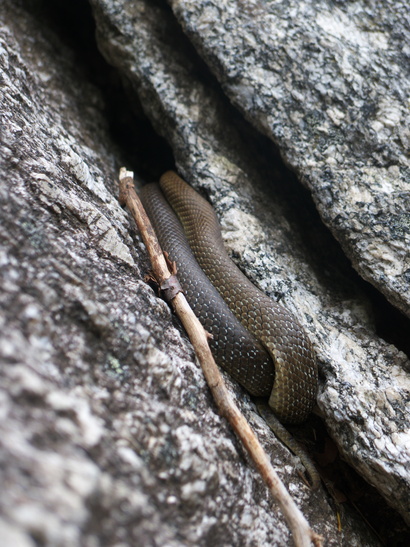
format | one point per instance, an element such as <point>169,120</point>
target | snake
<point>255,339</point>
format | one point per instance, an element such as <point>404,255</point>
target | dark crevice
<point>391,324</point>
<point>142,148</point>
<point>149,155</point>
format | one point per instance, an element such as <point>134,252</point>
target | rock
<point>328,83</point>
<point>108,432</point>
<point>275,236</point>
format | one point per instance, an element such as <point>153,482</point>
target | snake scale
<point>255,339</point>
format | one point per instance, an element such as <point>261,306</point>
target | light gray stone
<point>108,433</point>
<point>329,84</point>
<point>275,236</point>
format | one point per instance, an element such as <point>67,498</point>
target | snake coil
<point>258,341</point>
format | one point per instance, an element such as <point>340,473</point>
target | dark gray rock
<point>274,235</point>
<point>328,83</point>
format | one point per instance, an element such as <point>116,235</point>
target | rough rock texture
<point>108,433</point>
<point>329,83</point>
<point>275,236</point>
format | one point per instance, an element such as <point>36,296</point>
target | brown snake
<point>287,370</point>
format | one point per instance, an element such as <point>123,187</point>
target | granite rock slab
<point>273,234</point>
<point>329,83</point>
<point>108,433</point>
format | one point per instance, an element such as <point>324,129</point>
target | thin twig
<point>303,535</point>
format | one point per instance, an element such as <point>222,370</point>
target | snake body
<point>235,349</point>
<point>287,370</point>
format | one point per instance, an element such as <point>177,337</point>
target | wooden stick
<point>303,535</point>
